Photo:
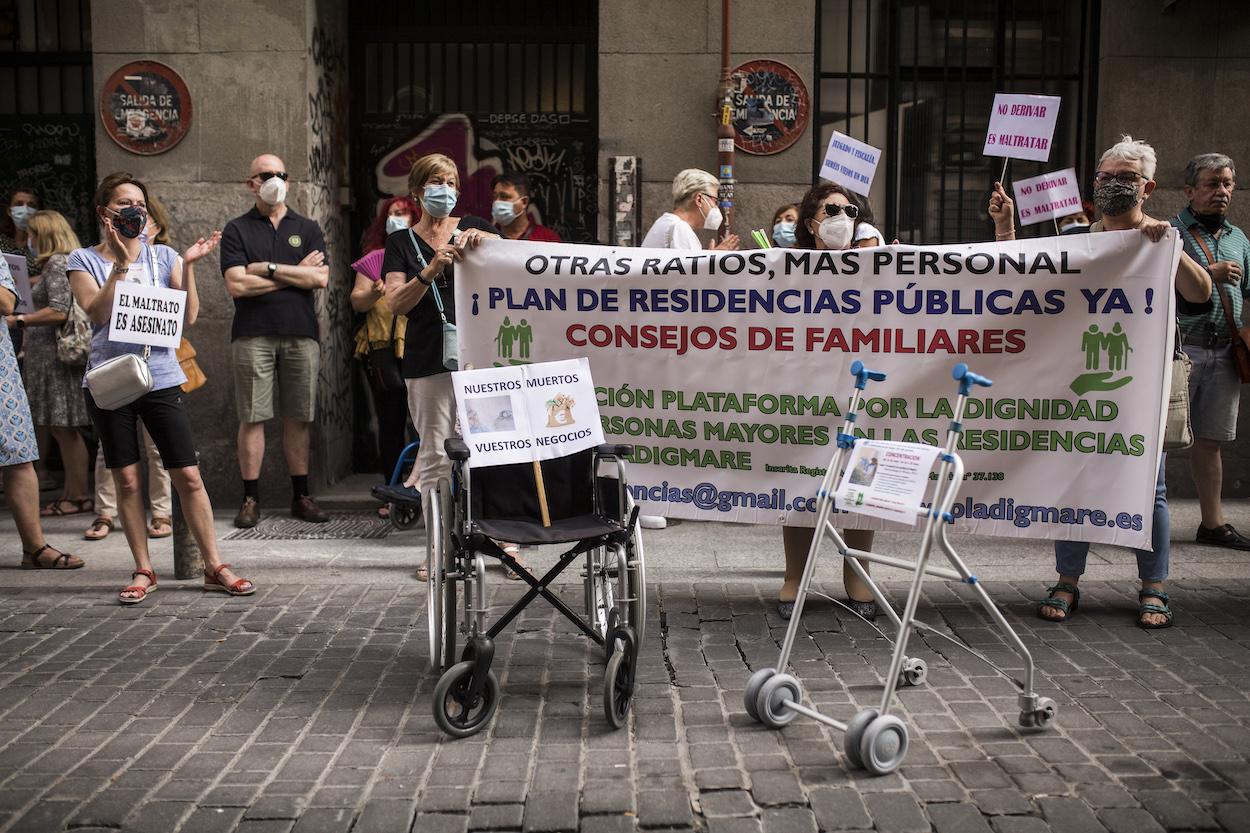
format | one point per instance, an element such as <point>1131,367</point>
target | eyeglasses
<point>1124,177</point>
<point>833,209</point>
<point>265,176</point>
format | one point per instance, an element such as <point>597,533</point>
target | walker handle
<point>966,379</point>
<point>863,374</point>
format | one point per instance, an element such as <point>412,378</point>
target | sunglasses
<point>833,209</point>
<point>265,176</point>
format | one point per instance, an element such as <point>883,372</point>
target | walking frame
<point>874,738</point>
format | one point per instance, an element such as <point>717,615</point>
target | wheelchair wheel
<point>456,711</point>
<point>451,568</point>
<point>618,692</point>
<point>434,579</point>
<point>636,574</point>
<point>602,572</point>
<point>405,515</point>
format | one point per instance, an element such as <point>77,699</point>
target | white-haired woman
<point>696,205</point>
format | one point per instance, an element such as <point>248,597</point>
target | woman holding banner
<point>94,274</point>
<point>828,219</point>
<point>1123,182</point>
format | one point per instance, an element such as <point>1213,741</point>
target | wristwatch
<point>273,268</point>
<point>21,322</point>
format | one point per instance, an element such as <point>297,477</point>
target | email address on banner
<point>707,497</point>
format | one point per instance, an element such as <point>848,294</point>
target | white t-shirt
<point>671,232</point>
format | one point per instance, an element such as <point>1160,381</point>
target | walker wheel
<point>1043,717</point>
<point>884,745</point>
<point>855,733</point>
<point>752,692</point>
<point>914,672</point>
<point>457,712</point>
<point>769,703</point>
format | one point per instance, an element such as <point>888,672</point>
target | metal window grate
<point>917,79</point>
<point>45,57</point>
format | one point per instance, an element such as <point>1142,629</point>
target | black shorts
<point>164,417</point>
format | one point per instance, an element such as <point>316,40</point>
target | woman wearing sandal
<point>160,502</point>
<point>1124,180</point>
<point>18,450</point>
<point>121,208</point>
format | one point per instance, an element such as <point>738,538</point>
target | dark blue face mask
<point>130,221</point>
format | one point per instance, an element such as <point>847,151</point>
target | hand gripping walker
<point>876,739</point>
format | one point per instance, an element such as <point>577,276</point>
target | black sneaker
<point>1222,536</point>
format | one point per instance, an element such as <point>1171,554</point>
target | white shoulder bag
<point>123,379</point>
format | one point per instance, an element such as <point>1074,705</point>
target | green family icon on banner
<point>513,337</point>
<point>1095,342</point>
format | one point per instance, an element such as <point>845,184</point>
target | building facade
<point>349,93</point>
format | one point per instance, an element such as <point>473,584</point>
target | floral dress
<point>53,387</point>
<point>17,433</point>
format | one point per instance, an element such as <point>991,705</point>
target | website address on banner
<point>707,497</point>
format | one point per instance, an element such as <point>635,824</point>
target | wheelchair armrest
<point>456,449</point>
<point>614,450</point>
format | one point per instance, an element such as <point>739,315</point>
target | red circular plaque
<point>771,107</point>
<point>145,107</point>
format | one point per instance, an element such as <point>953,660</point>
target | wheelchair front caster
<point>1042,717</point>
<point>884,745</point>
<point>770,702</point>
<point>405,515</point>
<point>913,673</point>
<point>752,692</point>
<point>854,734</point>
<point>618,688</point>
<point>457,711</point>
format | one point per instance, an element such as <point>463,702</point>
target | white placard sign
<point>144,314</point>
<point>526,413</point>
<point>886,479</point>
<point>21,282</point>
<point>1048,196</point>
<point>850,163</point>
<point>1022,126</point>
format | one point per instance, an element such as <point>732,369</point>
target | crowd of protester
<point>273,261</point>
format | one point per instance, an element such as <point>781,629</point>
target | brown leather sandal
<point>99,529</point>
<point>143,592</point>
<point>156,523</point>
<point>63,560</point>
<point>238,587</point>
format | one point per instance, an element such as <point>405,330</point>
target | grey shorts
<point>1214,393</point>
<point>290,362</point>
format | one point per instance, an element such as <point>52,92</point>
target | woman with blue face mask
<point>419,266</point>
<point>22,204</point>
<point>784,220</point>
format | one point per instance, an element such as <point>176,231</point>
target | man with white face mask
<point>695,206</point>
<point>273,259</point>
<point>510,209</point>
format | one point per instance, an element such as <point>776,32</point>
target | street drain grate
<point>342,525</point>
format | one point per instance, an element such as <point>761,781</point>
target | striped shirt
<point>1228,243</point>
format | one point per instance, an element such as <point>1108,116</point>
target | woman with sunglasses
<point>828,219</point>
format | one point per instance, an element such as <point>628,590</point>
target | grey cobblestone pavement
<point>307,707</point>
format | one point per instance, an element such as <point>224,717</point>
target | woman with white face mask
<point>696,207</point>
<point>828,219</point>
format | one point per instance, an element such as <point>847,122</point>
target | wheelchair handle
<point>863,374</point>
<point>966,379</point>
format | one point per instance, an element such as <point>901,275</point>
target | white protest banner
<point>1022,126</point>
<point>729,371</point>
<point>850,163</point>
<point>21,282</point>
<point>887,479</point>
<point>1047,197</point>
<point>144,314</point>
<point>527,413</point>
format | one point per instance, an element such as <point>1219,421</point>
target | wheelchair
<point>405,501</point>
<point>581,500</point>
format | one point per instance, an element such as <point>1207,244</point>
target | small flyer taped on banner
<point>886,479</point>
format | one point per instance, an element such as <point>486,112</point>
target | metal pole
<point>188,561</point>
<point>724,129</point>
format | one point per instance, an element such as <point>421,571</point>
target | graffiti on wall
<point>57,155</point>
<point>557,153</point>
<point>327,96</point>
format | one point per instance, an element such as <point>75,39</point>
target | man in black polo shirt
<point>273,259</point>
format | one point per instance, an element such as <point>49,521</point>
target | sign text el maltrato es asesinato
<point>145,107</point>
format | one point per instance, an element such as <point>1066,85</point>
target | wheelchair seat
<point>562,531</point>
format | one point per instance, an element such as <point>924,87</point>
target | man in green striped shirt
<point>1214,386</point>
